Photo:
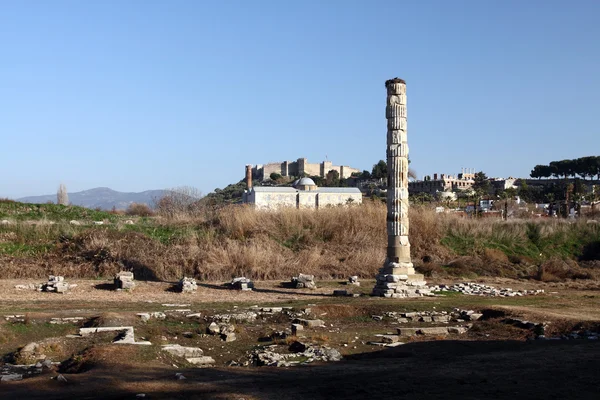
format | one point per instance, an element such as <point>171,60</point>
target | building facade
<point>443,183</point>
<point>300,167</point>
<point>304,194</point>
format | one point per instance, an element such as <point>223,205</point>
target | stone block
<point>438,330</point>
<point>390,338</point>
<point>204,360</point>
<point>407,331</point>
<point>296,328</point>
<point>441,318</point>
<point>310,323</point>
<point>181,351</point>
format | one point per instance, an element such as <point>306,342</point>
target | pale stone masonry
<point>397,278</point>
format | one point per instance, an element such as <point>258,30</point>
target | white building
<point>303,194</point>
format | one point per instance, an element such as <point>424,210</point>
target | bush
<point>139,209</point>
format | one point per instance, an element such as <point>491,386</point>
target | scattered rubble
<point>247,316</point>
<point>30,286</point>
<point>145,317</point>
<point>15,318</point>
<point>304,281</point>
<point>225,330</point>
<point>242,283</point>
<point>479,289</point>
<point>124,280</point>
<point>301,353</point>
<point>457,315</point>
<point>66,320</point>
<point>187,285</point>
<point>56,284</point>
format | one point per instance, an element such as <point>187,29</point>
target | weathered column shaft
<point>397,278</point>
<point>398,250</point>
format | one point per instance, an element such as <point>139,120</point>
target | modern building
<point>304,193</point>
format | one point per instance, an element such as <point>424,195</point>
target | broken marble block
<point>55,284</point>
<point>187,285</point>
<point>242,283</point>
<point>304,281</point>
<point>124,280</point>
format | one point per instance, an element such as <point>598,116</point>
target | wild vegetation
<point>216,243</point>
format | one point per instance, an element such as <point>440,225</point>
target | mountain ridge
<point>102,197</point>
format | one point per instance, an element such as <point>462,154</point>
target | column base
<point>399,280</point>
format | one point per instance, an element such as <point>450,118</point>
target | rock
<point>129,222</point>
<point>180,376</point>
<point>145,317</point>
<point>73,222</point>
<point>124,280</point>
<point>242,283</point>
<point>390,338</point>
<point>61,378</point>
<point>204,360</point>
<point>228,337</point>
<point>475,316</point>
<point>181,351</point>
<point>213,328</point>
<point>353,280</point>
<point>310,323</point>
<point>442,330</point>
<point>29,286</point>
<point>226,328</point>
<point>304,281</point>
<point>11,377</point>
<point>458,330</point>
<point>407,331</point>
<point>187,285</point>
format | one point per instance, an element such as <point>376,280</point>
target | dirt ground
<point>490,361</point>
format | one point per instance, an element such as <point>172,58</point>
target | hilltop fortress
<point>300,168</point>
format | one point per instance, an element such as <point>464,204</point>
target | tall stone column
<point>397,278</point>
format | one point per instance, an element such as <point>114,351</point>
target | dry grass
<point>330,243</point>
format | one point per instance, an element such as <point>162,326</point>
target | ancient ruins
<point>397,278</point>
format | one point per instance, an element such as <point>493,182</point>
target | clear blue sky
<point>138,95</point>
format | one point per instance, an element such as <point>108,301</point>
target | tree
<point>61,195</point>
<point>332,179</point>
<point>541,171</point>
<point>365,175</point>
<point>482,184</point>
<point>379,170</point>
<point>275,176</point>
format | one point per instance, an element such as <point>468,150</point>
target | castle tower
<point>397,278</point>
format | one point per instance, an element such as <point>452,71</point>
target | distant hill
<point>102,197</point>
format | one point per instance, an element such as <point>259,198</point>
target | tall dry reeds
<point>220,243</point>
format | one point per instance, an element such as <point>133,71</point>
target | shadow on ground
<point>440,369</point>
